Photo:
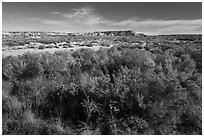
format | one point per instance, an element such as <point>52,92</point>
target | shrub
<point>23,68</point>
<point>41,47</point>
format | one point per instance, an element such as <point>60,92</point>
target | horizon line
<point>106,31</point>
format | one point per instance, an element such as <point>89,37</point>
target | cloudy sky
<point>147,17</point>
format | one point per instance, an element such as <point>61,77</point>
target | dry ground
<point>51,50</point>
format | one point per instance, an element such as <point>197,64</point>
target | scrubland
<point>125,89</point>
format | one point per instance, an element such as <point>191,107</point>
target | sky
<point>144,17</point>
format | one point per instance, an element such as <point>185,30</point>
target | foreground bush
<point>110,91</point>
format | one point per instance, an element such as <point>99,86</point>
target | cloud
<point>87,19</point>
<point>32,19</point>
<point>154,26</point>
<point>54,22</point>
<point>46,21</point>
<point>85,16</point>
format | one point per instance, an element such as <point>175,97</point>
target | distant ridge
<point>96,33</point>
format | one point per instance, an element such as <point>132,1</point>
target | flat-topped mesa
<point>113,33</point>
<point>118,33</point>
